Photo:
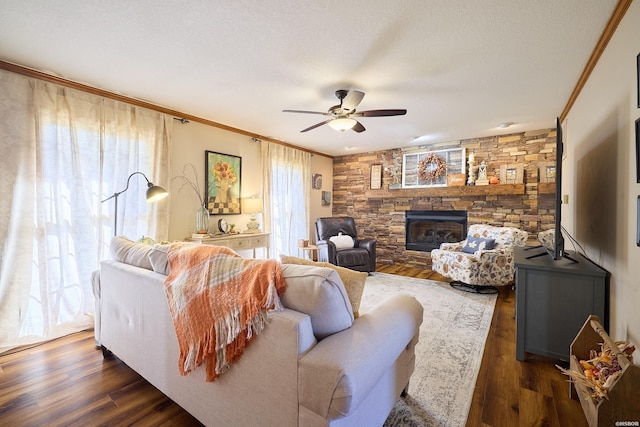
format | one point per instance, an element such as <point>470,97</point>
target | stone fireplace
<point>381,213</point>
<point>426,230</point>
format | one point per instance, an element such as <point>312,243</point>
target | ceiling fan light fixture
<point>342,123</point>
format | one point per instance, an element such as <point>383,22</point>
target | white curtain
<point>62,151</point>
<point>287,179</point>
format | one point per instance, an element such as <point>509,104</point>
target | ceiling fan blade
<point>358,127</point>
<point>317,125</point>
<point>305,112</point>
<point>379,113</point>
<point>351,101</point>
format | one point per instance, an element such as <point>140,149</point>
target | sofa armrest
<point>338,373</point>
<point>491,255</point>
<point>368,244</point>
<point>455,247</point>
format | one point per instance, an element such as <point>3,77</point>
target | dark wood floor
<point>508,392</point>
<point>66,382</point>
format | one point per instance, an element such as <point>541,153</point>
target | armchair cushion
<point>473,244</point>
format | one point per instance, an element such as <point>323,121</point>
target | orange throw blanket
<point>218,301</point>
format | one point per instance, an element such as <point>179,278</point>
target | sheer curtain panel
<point>287,179</point>
<point>61,152</point>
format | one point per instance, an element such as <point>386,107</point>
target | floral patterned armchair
<point>493,267</point>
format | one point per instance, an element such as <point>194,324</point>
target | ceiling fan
<point>342,115</point>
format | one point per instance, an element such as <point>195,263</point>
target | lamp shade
<point>252,205</point>
<point>342,123</point>
<point>155,193</point>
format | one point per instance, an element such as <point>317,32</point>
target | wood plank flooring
<point>510,393</point>
<point>66,382</point>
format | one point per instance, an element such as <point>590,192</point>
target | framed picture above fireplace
<point>423,169</point>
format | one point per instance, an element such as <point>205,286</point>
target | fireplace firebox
<point>426,230</point>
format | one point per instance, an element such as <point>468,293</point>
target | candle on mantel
<point>471,158</point>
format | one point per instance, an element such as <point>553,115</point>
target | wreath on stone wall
<point>431,168</point>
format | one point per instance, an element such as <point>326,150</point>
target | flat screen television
<point>556,250</point>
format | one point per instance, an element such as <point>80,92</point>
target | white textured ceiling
<point>459,67</point>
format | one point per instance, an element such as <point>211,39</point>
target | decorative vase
<point>202,220</point>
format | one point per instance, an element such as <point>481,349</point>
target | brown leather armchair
<point>362,257</point>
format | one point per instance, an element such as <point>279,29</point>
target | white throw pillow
<point>342,241</point>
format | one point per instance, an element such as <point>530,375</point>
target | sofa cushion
<point>473,244</point>
<point>318,292</point>
<point>353,281</point>
<point>342,241</point>
<point>158,259</point>
<point>130,252</point>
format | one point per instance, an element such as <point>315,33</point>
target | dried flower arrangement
<point>601,371</point>
<point>193,184</point>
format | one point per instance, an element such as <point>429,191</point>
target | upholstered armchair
<point>338,244</point>
<point>484,258</point>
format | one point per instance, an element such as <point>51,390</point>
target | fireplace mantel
<point>462,191</point>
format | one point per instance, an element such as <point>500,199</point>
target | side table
<point>308,252</point>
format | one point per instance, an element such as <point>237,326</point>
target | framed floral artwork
<point>223,173</point>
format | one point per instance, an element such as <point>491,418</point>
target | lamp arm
<point>154,193</point>
<point>127,187</point>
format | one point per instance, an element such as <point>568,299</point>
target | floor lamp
<point>154,193</point>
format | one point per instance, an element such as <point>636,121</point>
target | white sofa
<point>290,375</point>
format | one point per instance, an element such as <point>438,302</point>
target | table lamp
<point>252,205</point>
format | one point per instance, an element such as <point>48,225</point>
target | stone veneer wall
<point>383,216</point>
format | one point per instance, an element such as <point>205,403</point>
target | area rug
<point>448,354</point>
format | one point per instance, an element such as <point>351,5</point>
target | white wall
<point>599,173</point>
<point>190,141</point>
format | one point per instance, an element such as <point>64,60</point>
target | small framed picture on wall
<point>638,78</point>
<point>316,181</point>
<point>326,198</point>
<point>638,151</point>
<point>376,177</point>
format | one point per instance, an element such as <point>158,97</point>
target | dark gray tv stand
<point>537,254</point>
<point>553,300</point>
